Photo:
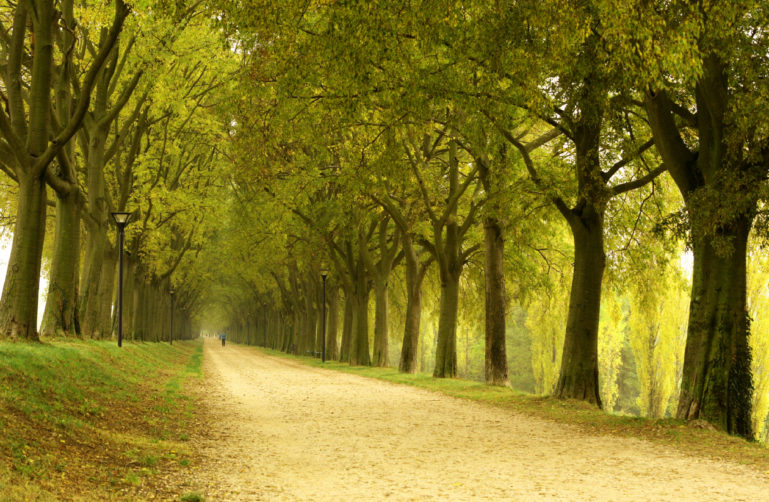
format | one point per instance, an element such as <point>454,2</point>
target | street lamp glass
<point>171,292</point>
<point>121,218</point>
<point>323,272</point>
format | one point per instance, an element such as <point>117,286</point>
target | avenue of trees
<point>563,196</point>
<point>108,107</point>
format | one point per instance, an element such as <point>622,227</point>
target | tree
<point>34,144</point>
<point>700,67</point>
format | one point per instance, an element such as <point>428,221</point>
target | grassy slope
<point>695,438</point>
<point>85,420</point>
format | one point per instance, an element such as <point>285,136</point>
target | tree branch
<point>667,137</point>
<point>121,12</point>
<point>622,163</point>
<point>558,201</point>
<point>632,185</point>
<point>422,187</point>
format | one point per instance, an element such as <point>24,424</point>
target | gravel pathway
<point>284,431</point>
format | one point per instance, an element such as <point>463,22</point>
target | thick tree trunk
<point>91,280</point>
<point>716,383</point>
<point>90,301</point>
<point>332,351</point>
<point>359,351</point>
<point>285,337</point>
<point>313,321</point>
<point>107,293</point>
<point>129,284</point>
<point>61,299</point>
<point>380,323</point>
<point>347,327</point>
<point>446,351</point>
<point>159,312</point>
<point>579,365</point>
<point>410,346</point>
<point>494,271</point>
<point>299,334</point>
<point>137,329</point>
<point>134,330</point>
<point>448,252</point>
<point>18,306</point>
<point>267,329</point>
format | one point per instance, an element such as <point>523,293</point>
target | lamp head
<point>171,292</point>
<point>324,272</point>
<point>121,219</point>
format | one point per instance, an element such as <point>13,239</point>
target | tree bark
<point>129,284</point>
<point>380,322</point>
<point>332,297</point>
<point>91,279</point>
<point>414,275</point>
<point>347,327</point>
<point>90,300</point>
<point>446,351</point>
<point>716,383</point>
<point>450,257</point>
<point>359,353</point>
<point>107,293</point>
<point>494,273</point>
<point>61,299</point>
<point>18,308</point>
<point>579,364</point>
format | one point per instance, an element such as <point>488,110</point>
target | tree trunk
<point>129,284</point>
<point>414,276</point>
<point>61,299</point>
<point>18,306</point>
<point>579,365</point>
<point>107,293</point>
<point>716,384</point>
<point>380,323</point>
<point>494,271</point>
<point>90,301</point>
<point>91,280</point>
<point>359,351</point>
<point>446,351</point>
<point>158,319</point>
<point>134,327</point>
<point>332,351</point>
<point>347,327</point>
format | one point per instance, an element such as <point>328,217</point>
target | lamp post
<point>323,274</point>
<point>171,337</point>
<point>121,220</point>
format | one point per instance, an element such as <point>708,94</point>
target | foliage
<point>758,303</point>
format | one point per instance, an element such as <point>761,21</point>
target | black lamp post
<point>121,220</point>
<point>171,337</point>
<point>324,274</point>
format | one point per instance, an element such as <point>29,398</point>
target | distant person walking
<point>223,336</point>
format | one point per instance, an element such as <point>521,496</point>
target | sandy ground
<point>284,431</point>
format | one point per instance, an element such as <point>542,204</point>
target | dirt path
<point>290,432</point>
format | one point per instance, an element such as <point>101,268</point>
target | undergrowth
<point>86,420</point>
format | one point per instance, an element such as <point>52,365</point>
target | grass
<point>694,438</point>
<point>86,420</point>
